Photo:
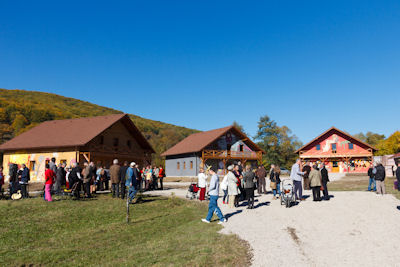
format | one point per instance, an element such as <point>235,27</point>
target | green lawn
<point>162,232</point>
<point>360,183</point>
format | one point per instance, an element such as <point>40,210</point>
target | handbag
<point>273,185</point>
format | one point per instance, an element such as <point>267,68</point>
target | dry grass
<point>360,183</point>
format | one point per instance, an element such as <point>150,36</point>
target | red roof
<point>198,141</point>
<point>71,133</point>
<point>337,130</point>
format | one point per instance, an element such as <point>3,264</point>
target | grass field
<point>360,183</point>
<point>162,232</point>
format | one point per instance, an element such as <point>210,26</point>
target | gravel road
<point>352,229</point>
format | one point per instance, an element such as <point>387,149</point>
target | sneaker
<point>223,221</point>
<point>204,220</point>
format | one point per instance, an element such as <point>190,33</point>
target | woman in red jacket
<point>49,178</point>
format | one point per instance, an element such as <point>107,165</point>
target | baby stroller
<point>192,191</point>
<point>287,196</point>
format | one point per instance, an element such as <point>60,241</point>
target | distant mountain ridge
<point>21,110</point>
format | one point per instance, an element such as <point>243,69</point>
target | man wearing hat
<point>213,191</point>
<point>131,181</point>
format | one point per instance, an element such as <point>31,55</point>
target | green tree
<point>370,138</point>
<point>277,141</point>
<point>239,126</point>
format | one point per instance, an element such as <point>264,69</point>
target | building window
<point>32,165</point>
<point>63,161</point>
<point>101,140</point>
<point>47,161</point>
<point>191,165</point>
<point>241,148</point>
<point>184,165</point>
<point>128,143</point>
<point>115,141</point>
<point>178,165</point>
<point>318,147</point>
<point>351,146</point>
<point>333,148</point>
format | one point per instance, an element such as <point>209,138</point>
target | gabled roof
<point>337,130</point>
<point>71,133</point>
<point>198,141</point>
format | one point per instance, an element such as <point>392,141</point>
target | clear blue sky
<point>203,64</point>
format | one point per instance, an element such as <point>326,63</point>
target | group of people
<point>311,176</point>
<point>90,178</point>
<point>239,184</point>
<point>377,175</point>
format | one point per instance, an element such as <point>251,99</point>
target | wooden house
<point>340,151</point>
<point>98,139</point>
<point>217,148</point>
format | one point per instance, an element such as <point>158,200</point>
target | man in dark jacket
<point>122,173</point>
<point>25,177</point>
<point>398,176</point>
<point>75,178</point>
<point>325,180</point>
<point>13,172</point>
<point>60,177</point>
<point>371,179</point>
<point>380,175</point>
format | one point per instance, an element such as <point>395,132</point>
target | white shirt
<point>202,183</point>
<point>224,184</point>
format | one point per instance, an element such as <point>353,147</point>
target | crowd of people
<point>377,176</point>
<point>240,183</point>
<point>89,179</point>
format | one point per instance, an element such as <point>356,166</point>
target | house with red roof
<point>99,139</point>
<point>340,151</point>
<point>217,148</point>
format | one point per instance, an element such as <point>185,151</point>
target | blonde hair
<point>277,169</point>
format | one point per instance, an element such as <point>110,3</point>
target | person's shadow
<point>266,203</point>
<point>228,215</point>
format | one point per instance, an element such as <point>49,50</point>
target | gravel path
<point>352,229</point>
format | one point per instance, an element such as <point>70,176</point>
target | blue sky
<point>203,64</point>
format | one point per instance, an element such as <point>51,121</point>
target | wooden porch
<point>226,155</point>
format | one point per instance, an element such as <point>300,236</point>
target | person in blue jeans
<point>275,174</point>
<point>131,182</point>
<point>371,179</point>
<point>213,191</point>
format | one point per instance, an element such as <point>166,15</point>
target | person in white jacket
<point>232,187</point>
<point>224,187</point>
<point>202,184</point>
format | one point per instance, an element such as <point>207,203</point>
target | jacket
<point>261,172</point>
<point>371,173</point>
<point>398,173</point>
<point>122,173</point>
<point>86,174</point>
<point>25,176</point>
<point>295,173</point>
<point>248,179</point>
<point>114,173</point>
<point>315,178</point>
<point>60,176</point>
<point>232,184</point>
<point>214,186</point>
<point>380,173</point>
<point>224,184</point>
<point>202,180</point>
<point>324,174</point>
<point>130,178</point>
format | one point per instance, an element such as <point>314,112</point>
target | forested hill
<point>21,110</point>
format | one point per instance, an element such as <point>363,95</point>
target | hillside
<point>21,110</point>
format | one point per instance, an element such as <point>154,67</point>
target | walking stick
<point>127,209</point>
